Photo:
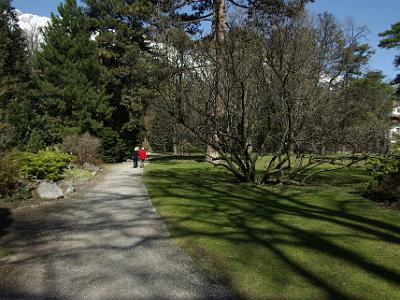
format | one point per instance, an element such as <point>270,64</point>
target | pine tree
<point>391,39</point>
<point>15,106</point>
<point>70,79</point>
<point>121,30</point>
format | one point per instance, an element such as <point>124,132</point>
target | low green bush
<point>75,174</point>
<point>43,165</point>
<point>9,175</point>
<point>385,171</point>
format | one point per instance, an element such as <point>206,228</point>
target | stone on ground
<point>49,190</point>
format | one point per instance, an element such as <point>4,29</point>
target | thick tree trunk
<point>219,29</point>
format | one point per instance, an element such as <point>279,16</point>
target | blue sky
<point>378,15</point>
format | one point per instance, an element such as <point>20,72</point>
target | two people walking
<point>139,156</point>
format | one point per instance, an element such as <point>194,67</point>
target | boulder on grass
<point>91,167</point>
<point>49,190</point>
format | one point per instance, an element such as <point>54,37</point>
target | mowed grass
<point>314,242</point>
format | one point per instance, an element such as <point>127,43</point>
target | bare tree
<point>280,102</point>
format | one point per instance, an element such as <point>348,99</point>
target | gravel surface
<point>106,242</point>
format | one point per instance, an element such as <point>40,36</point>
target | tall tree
<point>15,110</point>
<point>70,79</point>
<point>216,11</point>
<point>121,32</point>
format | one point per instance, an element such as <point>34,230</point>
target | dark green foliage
<point>12,52</point>
<point>368,100</point>
<point>391,39</point>
<point>35,142</point>
<point>120,26</point>
<point>113,148</point>
<point>43,165</point>
<point>70,79</point>
<point>15,104</point>
<point>385,171</point>
<point>355,57</point>
<point>9,175</point>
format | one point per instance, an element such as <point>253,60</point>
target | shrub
<point>35,142</point>
<point>43,165</point>
<point>9,175</point>
<point>84,146</point>
<point>75,174</point>
<point>385,171</point>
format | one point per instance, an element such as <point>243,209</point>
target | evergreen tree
<point>70,79</point>
<point>15,107</point>
<point>121,36</point>
<point>391,39</point>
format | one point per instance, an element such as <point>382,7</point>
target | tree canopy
<point>71,83</point>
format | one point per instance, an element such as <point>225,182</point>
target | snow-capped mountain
<point>31,25</point>
<point>29,22</point>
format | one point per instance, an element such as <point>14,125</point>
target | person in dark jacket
<point>142,156</point>
<point>135,157</point>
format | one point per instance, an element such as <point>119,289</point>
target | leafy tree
<point>72,84</point>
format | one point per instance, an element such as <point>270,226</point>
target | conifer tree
<point>70,79</point>
<point>121,30</point>
<point>15,106</point>
<point>391,39</point>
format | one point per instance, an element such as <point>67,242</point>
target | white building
<point>395,130</point>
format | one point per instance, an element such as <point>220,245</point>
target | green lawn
<point>314,242</point>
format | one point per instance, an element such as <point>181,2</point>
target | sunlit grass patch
<point>321,241</point>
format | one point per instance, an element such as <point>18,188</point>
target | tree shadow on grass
<point>242,208</point>
<point>342,177</point>
<point>166,158</point>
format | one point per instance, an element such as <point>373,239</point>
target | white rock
<point>67,186</point>
<point>91,167</point>
<point>49,190</point>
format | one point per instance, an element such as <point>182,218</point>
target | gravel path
<point>107,242</point>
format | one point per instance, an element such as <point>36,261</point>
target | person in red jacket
<point>142,156</point>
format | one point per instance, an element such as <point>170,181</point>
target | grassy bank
<point>315,242</point>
